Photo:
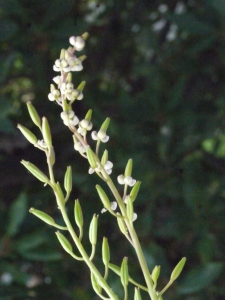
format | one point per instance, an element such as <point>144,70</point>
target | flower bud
<point>135,190</point>
<point>88,115</point>
<point>68,179</point>
<point>124,272</point>
<point>122,225</point>
<point>27,134</point>
<point>81,86</point>
<point>59,194</point>
<point>105,251</point>
<point>33,114</point>
<point>35,171</point>
<point>105,124</point>
<point>91,157</point>
<point>85,35</point>
<point>62,54</point>
<point>43,216</point>
<point>128,170</point>
<point>93,230</point>
<point>104,158</point>
<point>104,198</point>
<point>64,242</point>
<point>177,270</point>
<point>137,294</point>
<point>78,215</point>
<point>46,132</point>
<point>155,274</point>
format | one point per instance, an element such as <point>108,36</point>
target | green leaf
<point>17,214</point>
<point>200,278</point>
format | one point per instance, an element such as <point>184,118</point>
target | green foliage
<point>165,99</point>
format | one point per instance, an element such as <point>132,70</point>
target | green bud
<point>64,242</point>
<point>69,77</point>
<point>35,171</point>
<point>59,194</point>
<point>105,124</point>
<point>78,215</point>
<point>46,132</point>
<point>62,54</point>
<point>130,209</point>
<point>155,274</point>
<point>135,190</point>
<point>128,170</point>
<point>104,157</point>
<point>105,251</point>
<point>137,294</point>
<point>85,35</point>
<point>27,134</point>
<point>93,230</point>
<point>95,284</point>
<point>34,114</point>
<point>43,216</point>
<point>177,270</point>
<point>81,86</point>
<point>82,57</point>
<point>91,157</point>
<point>51,155</point>
<point>88,115</point>
<point>124,272</point>
<point>104,198</point>
<point>122,224</point>
<point>68,179</point>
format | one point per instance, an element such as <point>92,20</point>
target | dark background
<point>157,69</point>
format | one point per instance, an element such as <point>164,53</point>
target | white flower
<point>78,42</point>
<point>113,207</point>
<point>126,180</point>
<point>101,135</point>
<point>69,117</point>
<point>75,64</point>
<point>54,95</point>
<point>134,217</point>
<point>84,125</point>
<point>108,168</point>
<point>79,147</point>
<point>42,144</point>
<point>61,65</point>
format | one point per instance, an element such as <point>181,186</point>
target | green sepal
<point>104,198</point>
<point>52,87</point>
<point>130,209</point>
<point>35,171</point>
<point>105,251</point>
<point>124,272</point>
<point>135,190</point>
<point>78,215</point>
<point>137,294</point>
<point>178,269</point>
<point>64,242</point>
<point>34,114</point>
<point>62,54</point>
<point>68,179</point>
<point>88,115</point>
<point>69,77</point>
<point>51,155</point>
<point>85,35</point>
<point>91,157</point>
<point>42,215</point>
<point>97,288</point>
<point>129,166</point>
<point>82,57</point>
<point>27,134</point>
<point>104,158</point>
<point>46,132</point>
<point>93,230</point>
<point>105,124</point>
<point>81,86</point>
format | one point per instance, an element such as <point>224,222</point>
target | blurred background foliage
<point>157,68</point>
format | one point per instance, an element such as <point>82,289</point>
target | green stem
<point>135,241</point>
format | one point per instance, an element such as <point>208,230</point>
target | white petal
<point>106,138</point>
<point>91,171</point>
<point>128,180</point>
<point>132,183</point>
<point>103,210</point>
<point>109,171</point>
<point>101,134</point>
<point>56,68</point>
<point>120,179</point>
<point>94,135</point>
<point>51,97</point>
<point>74,121</point>
<point>113,205</point>
<point>134,217</point>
